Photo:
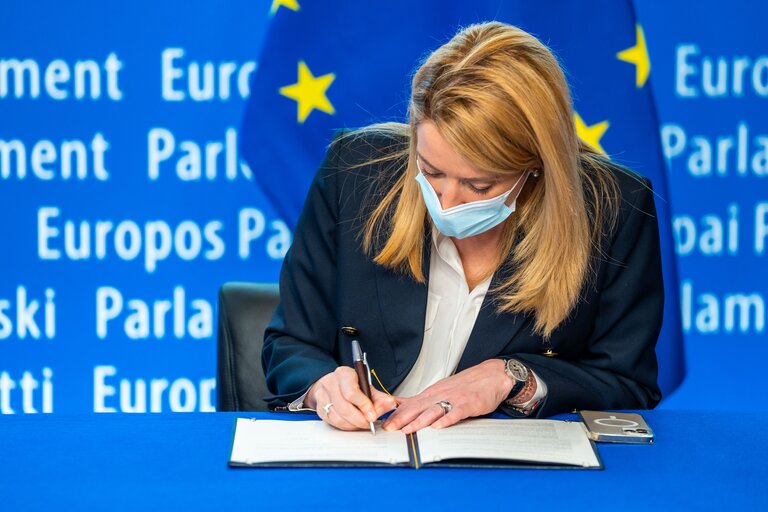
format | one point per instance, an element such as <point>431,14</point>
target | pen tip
<point>373,430</point>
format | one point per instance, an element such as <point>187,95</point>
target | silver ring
<point>327,408</point>
<point>445,406</point>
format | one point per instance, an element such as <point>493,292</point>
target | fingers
<point>350,390</point>
<point>427,417</point>
<point>351,408</point>
<point>430,416</point>
<point>329,415</point>
<point>408,411</point>
<point>421,411</point>
<point>382,402</point>
<point>449,419</point>
<point>472,392</point>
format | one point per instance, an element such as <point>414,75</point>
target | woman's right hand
<point>351,409</point>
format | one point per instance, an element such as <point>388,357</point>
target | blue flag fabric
<point>335,64</point>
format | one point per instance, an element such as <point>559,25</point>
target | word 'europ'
<point>138,395</point>
<point>699,76</point>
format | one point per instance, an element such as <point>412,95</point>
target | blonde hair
<point>498,96</point>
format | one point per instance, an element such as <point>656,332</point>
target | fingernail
<point>371,416</point>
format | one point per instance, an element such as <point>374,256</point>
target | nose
<point>449,195</point>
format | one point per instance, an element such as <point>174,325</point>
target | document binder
<point>474,443</point>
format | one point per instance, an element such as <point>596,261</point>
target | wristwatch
<point>518,372</point>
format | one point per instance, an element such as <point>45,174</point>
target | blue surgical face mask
<point>468,219</point>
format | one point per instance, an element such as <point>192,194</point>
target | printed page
<point>547,441</point>
<point>313,441</point>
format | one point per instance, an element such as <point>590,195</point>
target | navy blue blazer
<point>601,357</point>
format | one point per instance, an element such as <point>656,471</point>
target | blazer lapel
<point>491,333</point>
<point>403,305</point>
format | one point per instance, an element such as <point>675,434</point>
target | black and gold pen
<point>360,362</point>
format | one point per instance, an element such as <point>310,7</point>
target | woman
<point>482,255</point>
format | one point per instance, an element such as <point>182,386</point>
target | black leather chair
<point>245,309</point>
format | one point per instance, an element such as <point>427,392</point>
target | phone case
<point>616,427</point>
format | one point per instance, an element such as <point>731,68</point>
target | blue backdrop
<point>710,82</point>
<point>125,203</point>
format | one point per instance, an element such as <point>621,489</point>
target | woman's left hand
<point>474,392</point>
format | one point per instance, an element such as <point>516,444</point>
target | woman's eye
<point>480,190</point>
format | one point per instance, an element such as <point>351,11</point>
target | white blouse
<point>451,314</point>
<point>452,311</point>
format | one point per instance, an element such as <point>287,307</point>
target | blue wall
<point>710,80</point>
<point>124,203</point>
<point>132,252</point>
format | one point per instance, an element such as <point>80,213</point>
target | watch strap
<point>525,392</point>
<point>516,389</point>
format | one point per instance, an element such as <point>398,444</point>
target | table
<point>701,461</point>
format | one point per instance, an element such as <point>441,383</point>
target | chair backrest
<point>245,309</point>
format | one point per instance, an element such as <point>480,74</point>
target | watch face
<point>517,370</point>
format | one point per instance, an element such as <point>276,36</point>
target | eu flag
<point>334,64</point>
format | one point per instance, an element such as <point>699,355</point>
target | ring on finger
<point>445,406</point>
<point>327,408</point>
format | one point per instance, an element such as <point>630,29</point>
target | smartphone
<point>616,427</point>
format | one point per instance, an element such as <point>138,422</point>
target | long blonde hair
<point>498,96</point>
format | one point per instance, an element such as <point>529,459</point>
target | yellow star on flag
<point>638,55</point>
<point>290,4</point>
<point>591,134</point>
<point>309,92</point>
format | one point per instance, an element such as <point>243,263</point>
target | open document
<point>470,443</point>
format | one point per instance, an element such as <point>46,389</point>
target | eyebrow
<point>470,180</point>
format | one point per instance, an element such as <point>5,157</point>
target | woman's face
<point>455,180</point>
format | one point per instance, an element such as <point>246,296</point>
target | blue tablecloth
<point>701,461</point>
